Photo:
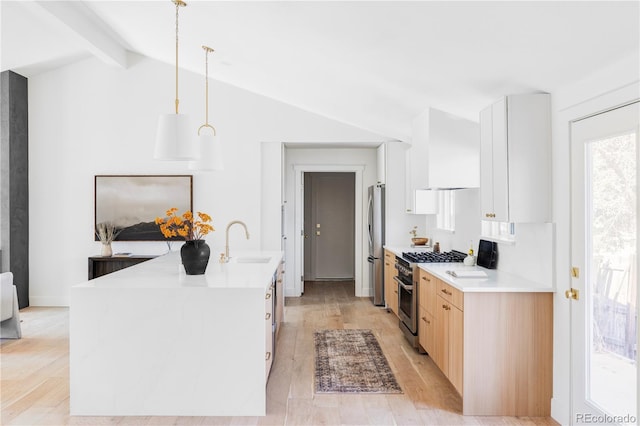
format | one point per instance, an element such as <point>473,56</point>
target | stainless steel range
<point>407,280</point>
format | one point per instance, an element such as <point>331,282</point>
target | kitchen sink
<point>251,259</point>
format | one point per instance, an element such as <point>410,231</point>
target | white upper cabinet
<point>515,159</point>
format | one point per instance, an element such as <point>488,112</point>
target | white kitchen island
<point>151,340</point>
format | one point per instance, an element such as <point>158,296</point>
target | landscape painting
<point>132,202</point>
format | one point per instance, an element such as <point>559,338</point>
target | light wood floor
<point>34,373</point>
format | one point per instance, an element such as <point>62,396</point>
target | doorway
<point>298,246</point>
<point>604,312</point>
<point>329,226</point>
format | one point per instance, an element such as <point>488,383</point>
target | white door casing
<point>299,170</point>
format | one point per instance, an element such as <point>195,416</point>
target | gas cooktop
<point>431,257</point>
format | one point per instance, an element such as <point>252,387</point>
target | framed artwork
<point>132,202</point>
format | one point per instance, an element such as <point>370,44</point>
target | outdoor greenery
<point>614,201</point>
<point>613,189</point>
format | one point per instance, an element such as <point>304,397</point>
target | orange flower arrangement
<point>185,225</point>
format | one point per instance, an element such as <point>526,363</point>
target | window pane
<point>445,218</point>
<point>611,280</point>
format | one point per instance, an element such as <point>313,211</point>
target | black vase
<point>195,256</point>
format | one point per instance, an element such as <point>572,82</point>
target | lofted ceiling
<point>372,64</point>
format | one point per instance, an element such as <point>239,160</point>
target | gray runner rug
<point>351,361</point>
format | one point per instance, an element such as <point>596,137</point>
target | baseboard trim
<point>560,412</point>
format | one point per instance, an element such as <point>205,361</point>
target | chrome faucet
<point>226,247</point>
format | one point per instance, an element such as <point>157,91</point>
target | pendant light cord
<point>207,50</point>
<point>206,84</point>
<point>178,4</point>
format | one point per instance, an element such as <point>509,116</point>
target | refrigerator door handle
<point>370,219</point>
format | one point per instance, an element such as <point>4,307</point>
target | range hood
<point>445,152</point>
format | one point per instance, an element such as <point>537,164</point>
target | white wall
<point>89,118</point>
<point>531,256</point>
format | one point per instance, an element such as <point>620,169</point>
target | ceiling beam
<point>85,25</point>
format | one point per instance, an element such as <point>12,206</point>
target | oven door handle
<point>409,288</point>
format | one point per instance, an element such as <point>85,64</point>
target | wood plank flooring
<point>34,373</point>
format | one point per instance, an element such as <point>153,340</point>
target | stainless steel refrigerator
<point>376,242</point>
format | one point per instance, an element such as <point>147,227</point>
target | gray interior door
<point>329,226</point>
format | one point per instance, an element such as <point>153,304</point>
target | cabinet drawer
<point>427,291</point>
<point>390,256</point>
<point>426,330</point>
<point>450,294</point>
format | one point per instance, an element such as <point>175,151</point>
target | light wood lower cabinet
<point>449,342</point>
<point>427,309</point>
<point>495,348</point>
<point>390,284</point>
<point>426,331</point>
<point>455,349</point>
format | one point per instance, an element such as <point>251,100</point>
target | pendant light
<point>209,144</point>
<point>175,138</point>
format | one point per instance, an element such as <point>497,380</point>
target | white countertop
<point>167,272</point>
<point>496,281</point>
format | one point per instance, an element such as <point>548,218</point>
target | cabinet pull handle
<point>395,291</point>
<point>267,296</point>
<point>444,290</point>
<point>267,316</point>
<point>426,320</point>
<point>267,356</point>
<point>425,278</point>
<point>446,307</point>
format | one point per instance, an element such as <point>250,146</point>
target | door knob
<point>572,293</point>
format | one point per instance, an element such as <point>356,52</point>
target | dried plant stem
<point>106,232</point>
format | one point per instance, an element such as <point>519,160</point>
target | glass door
<point>604,230</point>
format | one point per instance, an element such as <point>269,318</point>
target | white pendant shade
<point>210,154</point>
<point>176,138</point>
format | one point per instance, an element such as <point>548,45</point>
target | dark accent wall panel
<point>14,182</point>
